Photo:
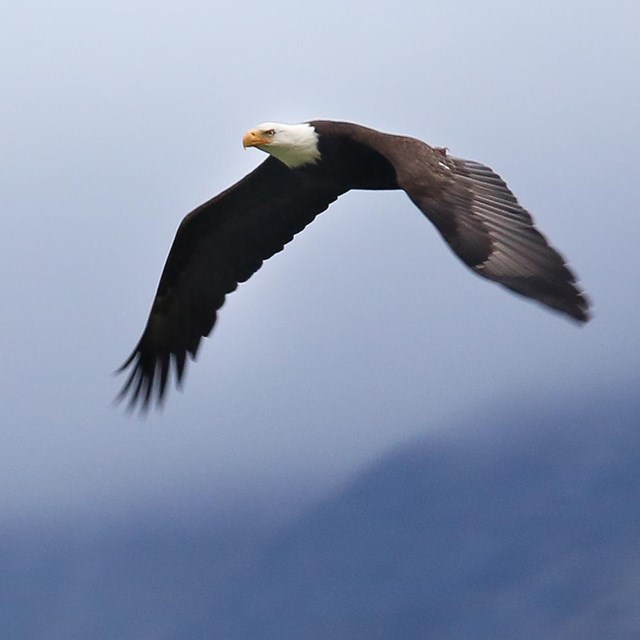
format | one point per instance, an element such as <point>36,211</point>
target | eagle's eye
<point>270,132</point>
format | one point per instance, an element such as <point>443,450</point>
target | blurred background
<point>374,443</point>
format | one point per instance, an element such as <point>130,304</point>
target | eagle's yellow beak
<point>253,138</point>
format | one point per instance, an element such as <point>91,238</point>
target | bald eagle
<point>225,240</point>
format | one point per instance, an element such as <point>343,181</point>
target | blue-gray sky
<point>118,118</point>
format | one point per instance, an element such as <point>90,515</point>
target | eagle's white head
<point>293,144</point>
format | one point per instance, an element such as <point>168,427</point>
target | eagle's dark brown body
<point>225,240</point>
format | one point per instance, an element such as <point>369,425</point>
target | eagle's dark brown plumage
<point>225,240</point>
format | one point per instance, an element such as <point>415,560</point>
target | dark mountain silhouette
<point>522,530</point>
<point>528,528</point>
